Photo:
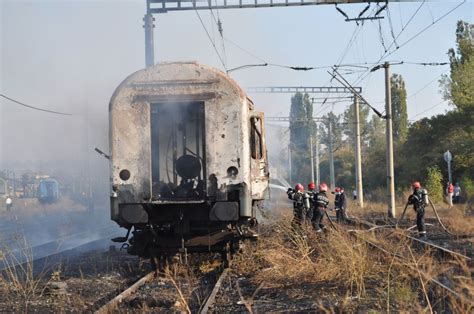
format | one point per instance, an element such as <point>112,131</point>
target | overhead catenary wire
<point>362,76</point>
<point>428,109</point>
<point>36,108</point>
<point>210,39</point>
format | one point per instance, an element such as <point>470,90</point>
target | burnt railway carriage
<point>188,160</point>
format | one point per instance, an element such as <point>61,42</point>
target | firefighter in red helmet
<point>419,200</point>
<point>300,205</point>
<point>311,192</point>
<point>321,202</point>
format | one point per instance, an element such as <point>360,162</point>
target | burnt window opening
<point>177,150</point>
<point>256,138</point>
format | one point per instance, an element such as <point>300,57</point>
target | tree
<point>349,124</point>
<point>301,127</point>
<point>399,107</point>
<point>336,125</point>
<point>434,184</point>
<point>458,86</point>
<point>376,132</point>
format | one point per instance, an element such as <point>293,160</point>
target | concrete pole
<point>311,156</point>
<point>389,134</point>
<point>360,193</point>
<point>149,46</point>
<point>332,182</point>
<point>318,176</point>
<point>289,164</point>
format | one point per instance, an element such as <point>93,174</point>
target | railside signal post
<point>448,157</point>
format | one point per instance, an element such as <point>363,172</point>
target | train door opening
<point>177,150</point>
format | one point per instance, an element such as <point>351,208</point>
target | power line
<point>210,39</point>
<point>220,29</point>
<point>362,76</point>
<point>35,108</point>
<point>434,106</point>
<point>427,27</point>
<point>426,85</point>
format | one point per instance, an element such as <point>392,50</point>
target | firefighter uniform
<point>311,193</point>
<point>321,202</point>
<point>419,200</point>
<point>301,205</point>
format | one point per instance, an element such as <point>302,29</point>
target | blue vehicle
<point>48,190</point>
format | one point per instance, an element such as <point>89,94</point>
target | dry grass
<point>457,219</point>
<point>18,282</point>
<point>291,257</point>
<point>288,259</point>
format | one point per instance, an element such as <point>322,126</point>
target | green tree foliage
<point>336,124</point>
<point>349,124</point>
<point>458,87</point>
<point>429,138</point>
<point>376,132</point>
<point>399,108</point>
<point>301,126</point>
<point>434,184</point>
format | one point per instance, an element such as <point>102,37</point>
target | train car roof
<point>48,180</point>
<point>171,73</point>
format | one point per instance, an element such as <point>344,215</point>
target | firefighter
<point>340,205</point>
<point>321,202</point>
<point>419,200</point>
<point>311,193</point>
<point>300,205</point>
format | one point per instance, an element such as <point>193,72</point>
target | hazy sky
<point>70,56</point>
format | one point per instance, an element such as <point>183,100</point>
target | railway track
<point>368,226</point>
<point>123,300</point>
<point>160,285</point>
<point>443,282</point>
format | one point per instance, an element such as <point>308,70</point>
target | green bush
<point>467,189</point>
<point>434,184</point>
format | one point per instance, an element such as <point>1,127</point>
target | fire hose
<point>436,214</point>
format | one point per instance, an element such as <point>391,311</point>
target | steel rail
<point>427,277</point>
<point>372,227</point>
<point>438,247</point>
<point>212,297</point>
<point>110,306</point>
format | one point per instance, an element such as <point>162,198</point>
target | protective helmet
<point>338,189</point>
<point>311,186</point>
<point>323,187</point>
<point>416,185</point>
<point>299,187</point>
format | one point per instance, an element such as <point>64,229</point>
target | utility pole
<point>358,165</point>
<point>311,156</point>
<point>318,176</point>
<point>332,182</point>
<point>289,163</point>
<point>389,134</point>
<point>148,20</point>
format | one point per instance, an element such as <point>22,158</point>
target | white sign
<point>448,156</point>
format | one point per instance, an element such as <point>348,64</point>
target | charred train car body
<point>188,160</point>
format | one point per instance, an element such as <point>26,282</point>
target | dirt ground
<point>81,284</point>
<point>284,271</point>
